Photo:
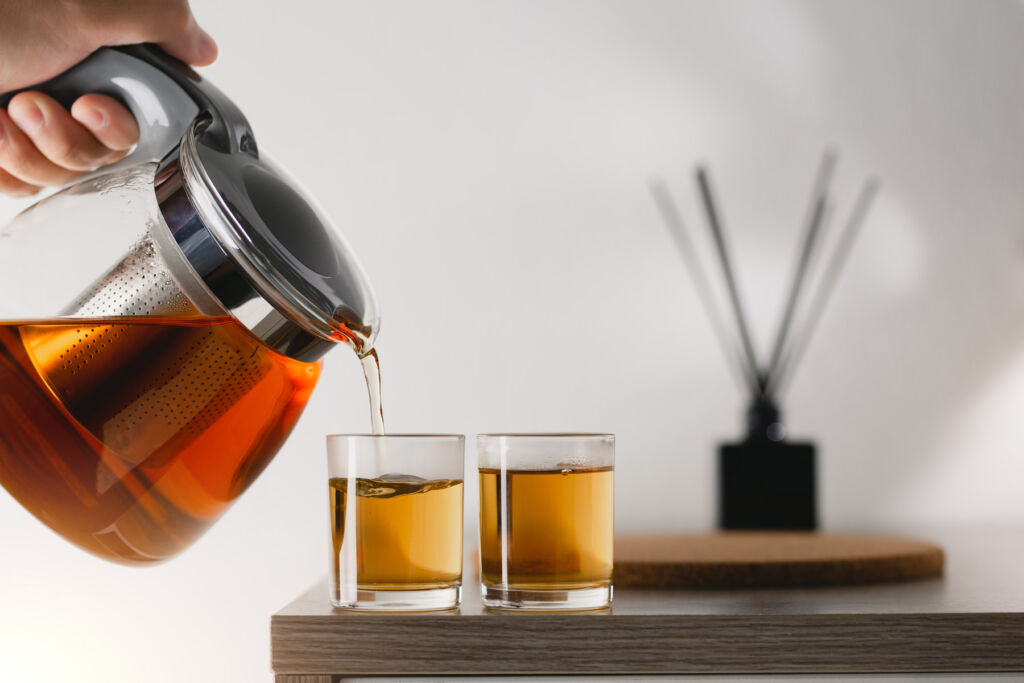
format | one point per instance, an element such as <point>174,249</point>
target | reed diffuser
<point>764,480</point>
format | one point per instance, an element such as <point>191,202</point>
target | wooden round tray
<point>770,558</point>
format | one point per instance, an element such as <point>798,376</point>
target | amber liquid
<point>546,530</point>
<point>400,530</point>
<point>371,371</point>
<point>130,436</point>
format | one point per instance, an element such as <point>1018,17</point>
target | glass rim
<point>546,435</point>
<point>438,437</point>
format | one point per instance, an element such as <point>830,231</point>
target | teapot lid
<point>277,235</point>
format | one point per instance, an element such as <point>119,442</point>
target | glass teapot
<point>162,320</point>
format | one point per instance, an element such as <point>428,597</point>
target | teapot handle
<point>163,94</point>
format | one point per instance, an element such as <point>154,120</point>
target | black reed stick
<point>812,229</point>
<point>730,279</point>
<point>829,277</point>
<point>677,228</point>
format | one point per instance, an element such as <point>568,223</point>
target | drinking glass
<point>396,521</point>
<point>546,520</point>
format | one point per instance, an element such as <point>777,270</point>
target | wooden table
<point>972,620</point>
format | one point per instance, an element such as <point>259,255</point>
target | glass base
<point>569,600</point>
<point>432,600</point>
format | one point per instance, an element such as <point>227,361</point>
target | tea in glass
<point>396,506</point>
<point>546,520</point>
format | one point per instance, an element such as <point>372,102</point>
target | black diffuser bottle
<point>765,481</point>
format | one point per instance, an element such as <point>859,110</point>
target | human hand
<point>42,143</point>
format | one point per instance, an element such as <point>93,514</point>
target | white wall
<point>489,162</point>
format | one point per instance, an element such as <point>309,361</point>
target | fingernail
<point>28,116</point>
<point>91,117</point>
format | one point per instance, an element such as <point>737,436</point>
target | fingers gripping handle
<point>161,107</point>
<point>162,93</point>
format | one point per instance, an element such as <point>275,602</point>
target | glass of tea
<point>546,520</point>
<point>396,521</point>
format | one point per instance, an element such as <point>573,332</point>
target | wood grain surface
<point>971,619</point>
<point>770,559</point>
